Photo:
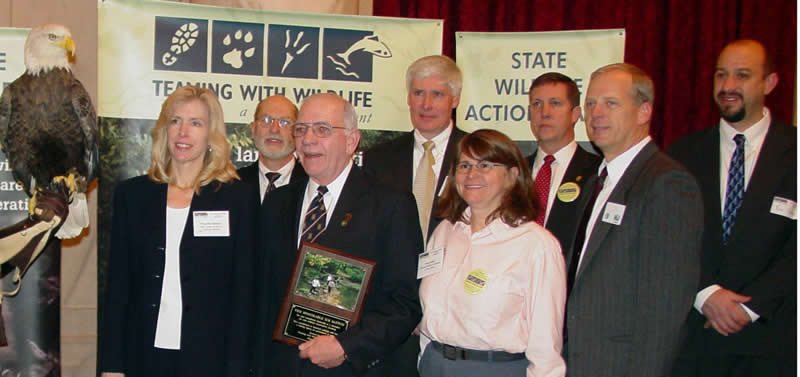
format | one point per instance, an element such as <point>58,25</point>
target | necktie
<point>314,223</point>
<point>271,177</point>
<point>735,191</point>
<point>580,236</point>
<point>424,185</point>
<point>542,185</point>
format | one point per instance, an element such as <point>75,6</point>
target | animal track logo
<point>293,51</point>
<point>348,54</point>
<point>237,47</point>
<point>180,44</point>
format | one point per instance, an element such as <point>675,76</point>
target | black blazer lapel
<point>449,156</point>
<point>563,218</point>
<point>157,216</point>
<point>295,206</point>
<point>405,167</point>
<point>619,195</point>
<point>768,173</point>
<point>350,200</point>
<point>298,173</point>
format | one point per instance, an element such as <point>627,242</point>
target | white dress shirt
<point>285,172</point>
<point>557,170</point>
<point>616,168</point>
<point>330,198</point>
<point>754,139</point>
<point>439,147</point>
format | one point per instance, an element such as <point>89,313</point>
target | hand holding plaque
<point>325,295</point>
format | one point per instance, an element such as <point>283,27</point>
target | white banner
<point>13,201</point>
<point>499,68</point>
<point>147,49</point>
<point>12,46</point>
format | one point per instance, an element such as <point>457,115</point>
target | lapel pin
<point>346,220</point>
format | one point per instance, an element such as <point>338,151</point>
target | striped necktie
<point>314,223</point>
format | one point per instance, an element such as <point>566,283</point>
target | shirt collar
<point>563,154</point>
<point>496,228</point>
<point>285,170</point>
<point>618,165</point>
<point>334,188</point>
<point>752,133</point>
<point>438,140</point>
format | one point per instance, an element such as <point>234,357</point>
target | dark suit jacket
<point>392,164</point>
<point>216,282</point>
<point>383,226</point>
<point>249,175</point>
<point>564,216</point>
<point>760,259</point>
<point>634,288</point>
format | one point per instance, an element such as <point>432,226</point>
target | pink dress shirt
<point>519,309</point>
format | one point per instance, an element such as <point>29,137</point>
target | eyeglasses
<point>320,129</point>
<point>268,120</point>
<point>481,166</point>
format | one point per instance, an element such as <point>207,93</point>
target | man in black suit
<point>434,90</point>
<point>358,217</point>
<point>559,165</point>
<point>272,135</point>
<point>746,316</point>
<point>632,272</point>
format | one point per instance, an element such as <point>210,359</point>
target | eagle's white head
<point>48,46</point>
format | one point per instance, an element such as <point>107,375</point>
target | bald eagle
<point>48,126</point>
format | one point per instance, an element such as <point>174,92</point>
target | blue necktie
<point>314,223</point>
<point>735,191</point>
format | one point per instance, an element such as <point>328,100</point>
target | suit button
<point>160,248</point>
<point>156,276</point>
<point>153,306</point>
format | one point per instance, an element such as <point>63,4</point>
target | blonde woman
<point>179,292</point>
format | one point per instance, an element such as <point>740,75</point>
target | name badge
<point>784,207</point>
<point>613,213</point>
<point>430,263</point>
<point>211,224</point>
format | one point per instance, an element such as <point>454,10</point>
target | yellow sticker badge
<point>475,281</point>
<point>568,192</point>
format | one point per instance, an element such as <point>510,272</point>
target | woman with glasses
<point>180,283</point>
<point>495,304</point>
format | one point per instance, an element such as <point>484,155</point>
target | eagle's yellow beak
<point>69,45</point>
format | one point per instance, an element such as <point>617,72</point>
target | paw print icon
<point>237,47</point>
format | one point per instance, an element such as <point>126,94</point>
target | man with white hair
<point>338,207</point>
<point>418,160</point>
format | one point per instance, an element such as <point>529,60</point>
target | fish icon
<point>370,44</point>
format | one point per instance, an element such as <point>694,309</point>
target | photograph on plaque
<point>329,280</point>
<point>325,295</point>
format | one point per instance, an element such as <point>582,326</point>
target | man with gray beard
<point>272,135</point>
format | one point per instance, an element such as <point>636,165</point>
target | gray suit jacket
<point>626,314</point>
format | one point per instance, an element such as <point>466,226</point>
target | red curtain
<point>676,42</point>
